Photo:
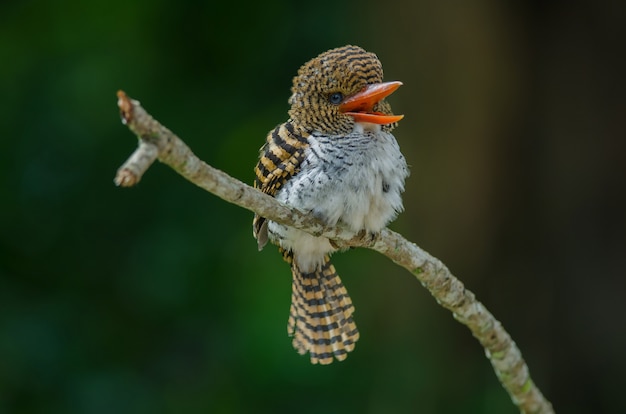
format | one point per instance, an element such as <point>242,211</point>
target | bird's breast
<point>356,179</point>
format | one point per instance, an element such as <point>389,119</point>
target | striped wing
<point>279,160</point>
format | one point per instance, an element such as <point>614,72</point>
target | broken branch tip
<point>125,178</point>
<point>125,105</point>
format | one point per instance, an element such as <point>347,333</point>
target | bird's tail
<point>320,318</point>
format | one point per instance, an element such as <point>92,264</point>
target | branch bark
<point>158,142</point>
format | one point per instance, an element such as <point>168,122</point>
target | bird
<point>335,158</point>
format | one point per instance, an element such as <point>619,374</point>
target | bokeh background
<point>156,300</point>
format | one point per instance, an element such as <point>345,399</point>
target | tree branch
<point>157,142</point>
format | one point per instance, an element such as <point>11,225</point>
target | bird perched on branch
<point>336,158</point>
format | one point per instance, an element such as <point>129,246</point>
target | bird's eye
<point>335,98</point>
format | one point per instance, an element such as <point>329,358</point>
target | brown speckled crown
<point>346,70</point>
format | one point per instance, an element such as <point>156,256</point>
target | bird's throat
<point>364,127</point>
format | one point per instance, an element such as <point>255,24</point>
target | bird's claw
<point>368,237</point>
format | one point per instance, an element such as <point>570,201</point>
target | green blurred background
<point>156,300</point>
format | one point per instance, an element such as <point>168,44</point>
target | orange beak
<point>361,104</point>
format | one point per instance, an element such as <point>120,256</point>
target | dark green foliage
<point>155,299</point>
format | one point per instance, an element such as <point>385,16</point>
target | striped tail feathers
<point>320,318</point>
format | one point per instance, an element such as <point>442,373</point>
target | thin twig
<point>157,142</point>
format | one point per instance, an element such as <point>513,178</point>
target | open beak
<point>360,105</point>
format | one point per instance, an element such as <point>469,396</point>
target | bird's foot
<point>335,245</point>
<point>368,237</point>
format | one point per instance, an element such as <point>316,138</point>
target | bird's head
<point>340,88</point>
